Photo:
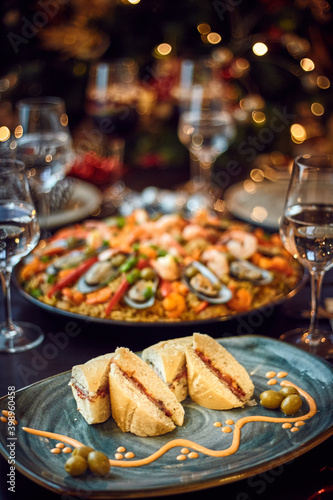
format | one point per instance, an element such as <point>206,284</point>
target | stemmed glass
<point>19,234</point>
<point>306,230</point>
<point>206,129</point>
<point>43,142</point>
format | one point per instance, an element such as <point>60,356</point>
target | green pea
<point>271,399</point>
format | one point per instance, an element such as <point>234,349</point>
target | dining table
<point>297,479</point>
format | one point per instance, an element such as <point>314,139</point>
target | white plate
<point>259,203</point>
<point>85,198</point>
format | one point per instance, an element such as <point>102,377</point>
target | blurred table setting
<point>124,125</point>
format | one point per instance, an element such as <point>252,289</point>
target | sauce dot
<point>287,425</point>
<point>121,449</point>
<point>185,451</point>
<point>217,424</point>
<point>55,451</point>
<point>229,422</point>
<point>129,454</point>
<point>226,429</point>
<point>67,449</point>
<point>3,419</point>
<point>15,422</point>
<point>294,429</point>
<point>60,445</point>
<point>270,374</point>
<point>181,457</point>
<point>193,454</point>
<point>272,381</point>
<point>282,374</point>
<point>119,456</point>
<point>5,412</point>
<point>299,423</point>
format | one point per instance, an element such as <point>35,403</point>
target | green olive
<point>83,451</point>
<point>287,390</point>
<point>76,465</point>
<point>147,273</point>
<point>118,259</point>
<point>291,404</point>
<point>271,399</point>
<point>98,463</point>
<point>191,271</point>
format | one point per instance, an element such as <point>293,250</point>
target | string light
<point>260,49</point>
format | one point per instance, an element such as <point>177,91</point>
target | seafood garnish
<point>99,275</point>
<point>72,259</point>
<point>142,294</point>
<point>244,270</point>
<point>201,281</point>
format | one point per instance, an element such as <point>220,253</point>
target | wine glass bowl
<point>306,230</point>
<point>19,234</point>
<point>43,142</point>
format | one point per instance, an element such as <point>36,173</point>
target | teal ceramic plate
<point>48,405</point>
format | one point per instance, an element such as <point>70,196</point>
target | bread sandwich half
<point>215,379</point>
<point>167,359</point>
<point>141,402</point>
<point>90,386</point>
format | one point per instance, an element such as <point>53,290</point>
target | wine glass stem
<point>44,206</point>
<point>9,329</point>
<point>316,285</point>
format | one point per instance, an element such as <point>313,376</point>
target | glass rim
<point>37,102</point>
<point>301,160</point>
<point>7,165</point>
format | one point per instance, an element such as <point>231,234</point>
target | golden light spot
<point>323,82</point>
<point>214,38</point>
<point>4,133</point>
<point>257,175</point>
<point>252,102</point>
<point>298,133</point>
<point>249,186</point>
<point>164,49</point>
<point>258,117</point>
<point>64,120</point>
<point>317,109</point>
<point>204,28</point>
<point>18,132</point>
<point>242,64</point>
<point>259,214</point>
<point>133,2</point>
<point>307,64</point>
<point>260,49</point>
<point>48,158</point>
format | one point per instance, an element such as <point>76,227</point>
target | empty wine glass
<point>19,234</point>
<point>43,142</point>
<point>206,129</point>
<point>306,230</point>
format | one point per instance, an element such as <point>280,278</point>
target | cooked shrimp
<point>241,244</point>
<point>170,223</point>
<point>166,267</point>
<point>192,231</point>
<point>174,305</point>
<point>216,261</point>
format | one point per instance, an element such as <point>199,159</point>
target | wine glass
<point>306,230</point>
<point>43,142</point>
<point>206,130</point>
<point>19,234</point>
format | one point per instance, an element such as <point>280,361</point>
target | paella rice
<point>163,269</point>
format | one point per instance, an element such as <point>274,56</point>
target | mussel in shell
<point>244,270</point>
<point>68,261</point>
<point>204,284</point>
<point>99,275</point>
<point>142,293</point>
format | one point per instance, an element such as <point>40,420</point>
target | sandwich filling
<point>181,374</point>
<point>225,378</point>
<point>144,391</point>
<point>83,393</point>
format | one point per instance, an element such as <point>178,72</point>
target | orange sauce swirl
<point>186,443</point>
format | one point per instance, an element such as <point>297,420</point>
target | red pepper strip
<point>73,276</point>
<point>201,306</point>
<point>165,287</point>
<point>124,285</point>
<point>142,263</point>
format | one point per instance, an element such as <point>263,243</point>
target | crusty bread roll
<point>167,359</point>
<point>90,386</point>
<point>141,402</point>
<point>215,379</point>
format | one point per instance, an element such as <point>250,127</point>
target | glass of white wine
<point>306,230</point>
<point>19,234</point>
